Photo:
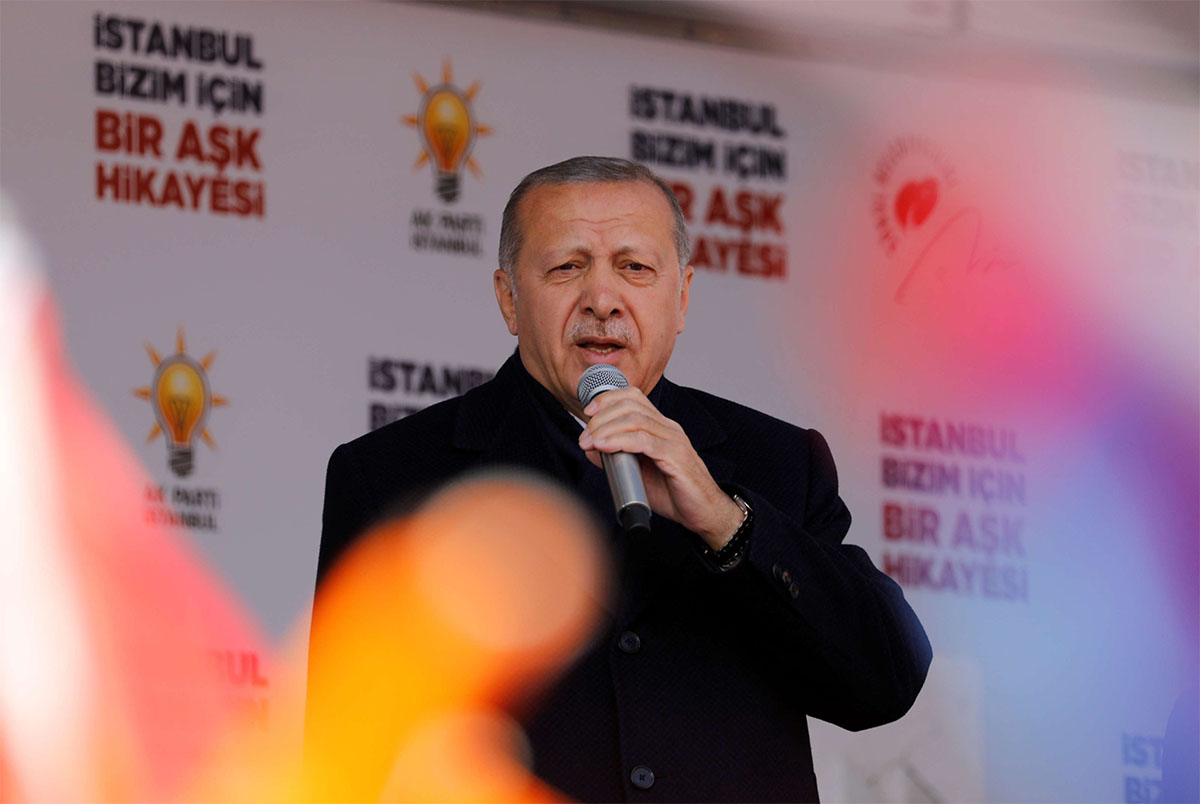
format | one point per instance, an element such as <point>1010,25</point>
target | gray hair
<point>581,170</point>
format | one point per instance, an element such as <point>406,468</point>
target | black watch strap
<point>731,554</point>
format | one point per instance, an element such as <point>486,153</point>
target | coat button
<point>778,571</point>
<point>642,777</point>
<point>631,643</point>
<point>794,590</point>
<point>785,577</point>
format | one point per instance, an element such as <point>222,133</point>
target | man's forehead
<point>620,199</point>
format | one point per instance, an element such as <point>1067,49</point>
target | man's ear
<point>685,289</point>
<point>506,297</point>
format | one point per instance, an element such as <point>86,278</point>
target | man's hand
<point>678,485</point>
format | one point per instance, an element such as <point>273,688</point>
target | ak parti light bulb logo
<point>182,399</point>
<point>448,130</point>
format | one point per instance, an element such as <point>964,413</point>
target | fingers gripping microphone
<point>624,474</point>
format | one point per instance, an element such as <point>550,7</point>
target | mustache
<point>612,329</point>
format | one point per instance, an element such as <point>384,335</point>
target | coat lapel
<point>705,432</point>
<point>498,420</point>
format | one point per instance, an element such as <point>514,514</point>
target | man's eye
<point>565,267</point>
<point>637,267</point>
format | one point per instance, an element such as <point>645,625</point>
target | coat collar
<point>493,415</point>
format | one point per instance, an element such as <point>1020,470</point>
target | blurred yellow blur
<point>429,626</point>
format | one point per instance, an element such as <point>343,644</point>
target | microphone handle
<point>629,495</point>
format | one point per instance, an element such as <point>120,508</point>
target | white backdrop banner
<point>983,294</point>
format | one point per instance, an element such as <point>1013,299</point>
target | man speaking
<point>740,612</point>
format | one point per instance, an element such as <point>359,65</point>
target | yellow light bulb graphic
<point>181,403</point>
<point>448,130</point>
<point>181,399</point>
<point>448,134</point>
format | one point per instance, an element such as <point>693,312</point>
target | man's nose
<point>602,293</point>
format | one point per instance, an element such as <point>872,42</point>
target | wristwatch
<point>730,555</point>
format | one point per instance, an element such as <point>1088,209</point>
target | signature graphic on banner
<point>448,129</point>
<point>923,221</point>
<point>953,255</point>
<point>182,399</point>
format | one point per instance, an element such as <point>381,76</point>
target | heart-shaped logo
<point>915,201</point>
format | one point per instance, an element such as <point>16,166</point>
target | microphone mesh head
<point>596,380</point>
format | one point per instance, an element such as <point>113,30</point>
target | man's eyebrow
<point>561,252</point>
<point>643,252</point>
<point>584,250</point>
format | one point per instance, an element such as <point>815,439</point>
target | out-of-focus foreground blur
<point>111,689</point>
<point>959,237</point>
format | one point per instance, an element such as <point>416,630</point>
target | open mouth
<point>599,346</point>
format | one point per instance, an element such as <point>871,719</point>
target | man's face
<point>597,281</point>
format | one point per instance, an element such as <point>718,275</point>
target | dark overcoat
<point>700,685</point>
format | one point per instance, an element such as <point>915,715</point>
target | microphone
<point>624,474</point>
